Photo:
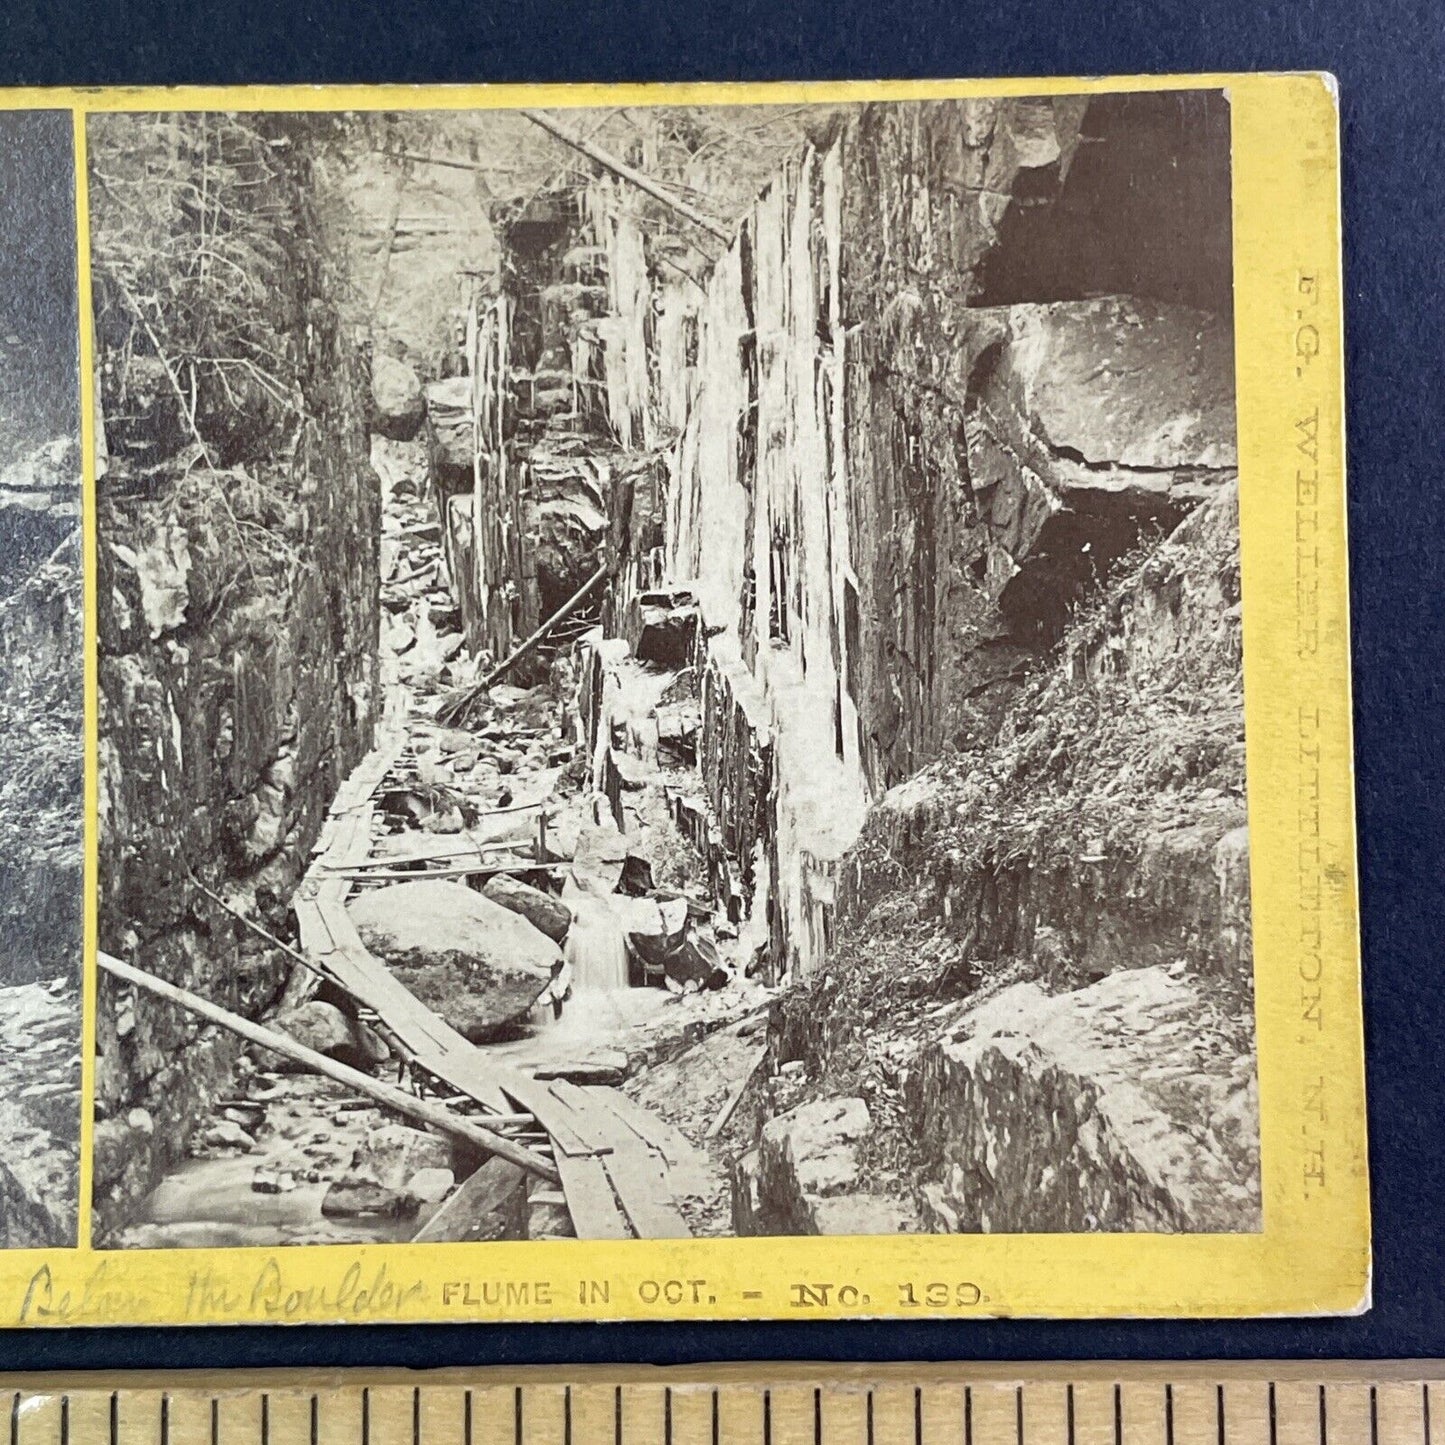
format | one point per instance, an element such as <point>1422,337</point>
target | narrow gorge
<point>697,651</point>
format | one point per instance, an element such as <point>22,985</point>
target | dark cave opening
<point>1141,207</point>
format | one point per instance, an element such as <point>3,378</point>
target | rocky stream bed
<point>285,1157</point>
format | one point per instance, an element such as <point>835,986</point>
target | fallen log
<point>457,708</point>
<point>430,1114</point>
<point>403,875</point>
<point>732,1101</point>
<point>627,173</point>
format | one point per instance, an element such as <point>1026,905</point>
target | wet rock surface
<point>546,913</point>
<point>323,1028</point>
<point>271,1191</point>
<point>880,827</point>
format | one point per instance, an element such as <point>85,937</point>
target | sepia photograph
<point>664,671</point>
<point>41,685</point>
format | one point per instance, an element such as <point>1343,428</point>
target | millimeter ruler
<point>984,1404</point>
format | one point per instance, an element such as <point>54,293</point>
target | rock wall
<point>888,496</point>
<point>954,486</point>
<point>42,895</point>
<point>1103,825</point>
<point>1043,958</point>
<point>524,484</point>
<point>238,682</point>
<point>960,360</point>
<point>41,720</point>
<point>1129,1105</point>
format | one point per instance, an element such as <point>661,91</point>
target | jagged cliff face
<point>1040,369</point>
<point>1076,893</point>
<point>915,430</point>
<point>41,865</point>
<point>41,701</point>
<point>961,358</point>
<point>238,655</point>
<point>951,477</point>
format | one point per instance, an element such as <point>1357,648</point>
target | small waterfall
<point>596,948</point>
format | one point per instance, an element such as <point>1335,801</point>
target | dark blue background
<point>1390,59</point>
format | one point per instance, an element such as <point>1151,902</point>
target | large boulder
<point>394,1154</point>
<point>397,404</point>
<point>323,1027</point>
<point>806,1177</point>
<point>1129,1105</point>
<point>475,963</point>
<point>540,909</point>
<point>663,626</point>
<point>452,434</point>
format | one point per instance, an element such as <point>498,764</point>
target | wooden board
<point>639,1173</point>
<point>601,1141</point>
<point>568,1132</point>
<point>329,937</point>
<point>470,1212</point>
<point>674,1146</point>
<point>636,1171</point>
<point>590,1202</point>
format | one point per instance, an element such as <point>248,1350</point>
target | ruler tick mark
<point>315,1420</point>
<point>1118,1416</point>
<point>1069,1415</point>
<point>1219,1411</point>
<point>517,1414</point>
<point>114,1419</point>
<point>265,1418</point>
<point>767,1419</point>
<point>165,1419</point>
<point>1168,1414</point>
<point>416,1416</point>
<point>667,1416</point>
<point>968,1415</point>
<point>1273,1418</point>
<point>215,1423</point>
<point>366,1416</point>
<point>917,1416</point>
<point>716,1432</point>
<point>1324,1416</point>
<point>1425,1409</point>
<point>1374,1417</point>
<point>617,1415</point>
<point>1019,1413</point>
<point>15,1419</point>
<point>567,1415</point>
<point>65,1419</point>
<point>467,1418</point>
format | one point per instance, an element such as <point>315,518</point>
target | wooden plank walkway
<point>636,1171</point>
<point>613,1156</point>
